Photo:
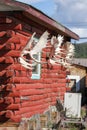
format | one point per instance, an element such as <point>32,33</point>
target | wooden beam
<point>2,59</point>
<point>24,79</point>
<point>13,107</point>
<point>12,53</point>
<point>9,60</point>
<point>10,26</point>
<point>10,73</point>
<point>8,100</point>
<point>2,33</point>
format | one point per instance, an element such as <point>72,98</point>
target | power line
<point>80,24</point>
<point>75,22</point>
<point>83,37</point>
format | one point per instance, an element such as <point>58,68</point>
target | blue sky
<point>47,6</point>
<point>70,13</point>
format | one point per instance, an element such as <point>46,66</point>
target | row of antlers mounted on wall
<point>60,52</point>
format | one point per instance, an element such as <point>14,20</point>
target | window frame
<point>37,75</point>
<point>77,79</point>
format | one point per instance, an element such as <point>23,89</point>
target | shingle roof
<point>11,5</point>
<point>80,61</point>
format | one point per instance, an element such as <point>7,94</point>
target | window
<point>37,69</point>
<point>75,81</point>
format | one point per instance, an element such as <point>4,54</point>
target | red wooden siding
<point>20,96</point>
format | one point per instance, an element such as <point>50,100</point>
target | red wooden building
<point>23,95</point>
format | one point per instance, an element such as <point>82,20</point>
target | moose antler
<point>33,49</point>
<point>70,50</point>
<point>58,51</point>
<point>59,54</point>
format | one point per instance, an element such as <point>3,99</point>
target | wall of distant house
<point>79,71</point>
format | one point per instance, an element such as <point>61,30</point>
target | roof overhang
<point>80,62</point>
<point>11,5</point>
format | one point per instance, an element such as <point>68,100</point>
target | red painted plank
<point>23,33</point>
<point>17,100</point>
<point>2,59</point>
<point>59,84</point>
<point>12,53</point>
<point>31,98</point>
<point>19,67</point>
<point>2,113</point>
<point>10,73</point>
<point>8,100</point>
<point>2,33</point>
<point>17,118</point>
<point>48,90</point>
<point>18,47</point>
<point>43,55</point>
<point>13,107</point>
<point>46,87</point>
<point>14,94</point>
<point>10,33</point>
<point>1,100</point>
<point>10,46</point>
<point>9,113</point>
<point>2,46</point>
<point>23,38</point>
<point>54,80</point>
<point>2,87</point>
<point>23,79</point>
<point>35,102</point>
<point>54,89</point>
<point>48,49</point>
<point>16,87</point>
<point>15,39</point>
<point>44,66</point>
<point>2,72</point>
<point>56,67</point>
<point>31,92</point>
<point>10,26</point>
<point>31,86</point>
<point>10,87</point>
<point>12,66</point>
<point>21,73</point>
<point>50,70</point>
<point>47,81</point>
<point>9,59</point>
<point>32,109</point>
<point>53,75</point>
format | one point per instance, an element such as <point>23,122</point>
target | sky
<point>70,13</point>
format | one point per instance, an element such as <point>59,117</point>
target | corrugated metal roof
<point>11,5</point>
<point>80,61</point>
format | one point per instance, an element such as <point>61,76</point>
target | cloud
<point>81,31</point>
<point>72,14</point>
<point>71,11</point>
<point>82,34</point>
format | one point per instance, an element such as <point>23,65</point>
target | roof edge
<point>40,15</point>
